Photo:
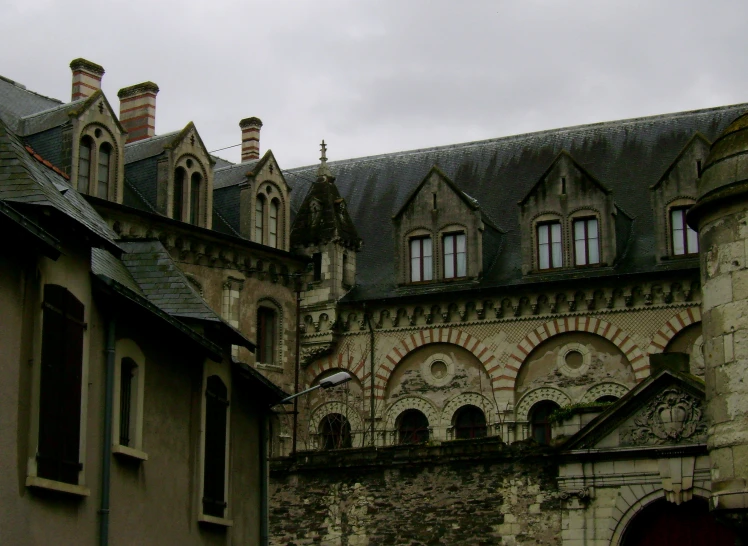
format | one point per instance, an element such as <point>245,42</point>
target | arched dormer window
<point>104,170</point>
<point>195,201</point>
<point>85,151</point>
<point>259,219</point>
<point>178,205</point>
<point>421,259</point>
<point>273,223</point>
<point>586,241</point>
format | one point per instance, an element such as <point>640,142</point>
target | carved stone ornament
<point>671,417</point>
<point>581,494</point>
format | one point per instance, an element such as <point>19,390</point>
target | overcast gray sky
<point>372,77</point>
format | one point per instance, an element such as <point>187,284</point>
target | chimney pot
<point>137,110</point>
<point>86,78</point>
<point>250,138</point>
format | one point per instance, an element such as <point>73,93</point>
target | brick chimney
<point>86,78</point>
<point>137,110</point>
<point>250,138</point>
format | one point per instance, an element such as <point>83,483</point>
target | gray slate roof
<point>24,179</point>
<point>232,175</point>
<point>47,119</point>
<point>16,102</point>
<point>626,156</point>
<point>164,284</point>
<point>149,147</point>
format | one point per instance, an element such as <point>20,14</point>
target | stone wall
<point>476,492</point>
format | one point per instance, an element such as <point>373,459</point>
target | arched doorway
<point>663,523</point>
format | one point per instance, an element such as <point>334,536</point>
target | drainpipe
<point>106,452</point>
<point>264,477</point>
<point>296,368</point>
<point>371,378</point>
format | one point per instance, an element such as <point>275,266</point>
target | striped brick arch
<point>685,318</point>
<point>639,362</point>
<point>338,361</point>
<point>435,335</point>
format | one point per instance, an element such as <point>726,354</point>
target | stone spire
<point>324,170</point>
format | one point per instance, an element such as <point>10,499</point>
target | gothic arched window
<point>469,422</point>
<point>102,183</point>
<point>179,178</point>
<point>195,190</point>
<point>259,219</point>
<point>412,427</point>
<point>335,432</point>
<point>273,223</point>
<point>85,151</point>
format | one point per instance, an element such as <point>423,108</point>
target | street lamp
<point>333,381</point>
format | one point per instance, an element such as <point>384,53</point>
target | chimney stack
<point>250,138</point>
<point>86,78</point>
<point>137,110</point>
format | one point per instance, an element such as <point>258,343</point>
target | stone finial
<point>323,170</point>
<point>86,78</point>
<point>137,110</point>
<point>250,138</point>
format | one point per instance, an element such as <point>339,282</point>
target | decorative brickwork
<point>526,403</point>
<point>663,336</point>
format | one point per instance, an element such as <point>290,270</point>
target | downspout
<point>106,452</point>
<point>264,478</point>
<point>371,378</point>
<point>296,368</point>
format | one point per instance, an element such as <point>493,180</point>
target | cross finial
<point>323,169</point>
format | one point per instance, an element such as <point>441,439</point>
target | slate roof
<point>233,174</point>
<point>26,179</point>
<point>16,102</point>
<point>164,284</point>
<point>626,156</point>
<point>47,119</point>
<point>148,147</point>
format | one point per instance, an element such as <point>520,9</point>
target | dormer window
<point>421,259</point>
<point>586,242</point>
<point>179,177</point>
<point>455,264</point>
<point>685,240</point>
<point>550,248</point>
<point>273,223</point>
<point>259,216</point>
<point>195,190</point>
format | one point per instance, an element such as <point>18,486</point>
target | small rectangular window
<point>586,242</point>
<point>550,250</point>
<point>103,172</point>
<point>685,240</point>
<point>421,265</point>
<point>265,336</point>
<point>84,164</point>
<point>126,402</point>
<point>214,467</point>
<point>455,263</point>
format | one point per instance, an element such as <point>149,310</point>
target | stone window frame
<point>420,233</point>
<point>127,348</point>
<point>683,203</point>
<point>583,215</point>
<point>219,369</point>
<point>567,370</point>
<point>439,269</point>
<point>420,403</point>
<point>191,164</point>
<point>542,219</point>
<point>431,379</point>
<point>105,136</point>
<point>277,196</point>
<point>32,477</point>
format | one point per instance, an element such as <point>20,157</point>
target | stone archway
<point>685,318</point>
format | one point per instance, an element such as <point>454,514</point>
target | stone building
<point>522,319</point>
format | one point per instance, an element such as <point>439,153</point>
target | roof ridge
<point>53,109</point>
<point>23,88</point>
<point>520,136</point>
<point>132,145</point>
<point>234,165</point>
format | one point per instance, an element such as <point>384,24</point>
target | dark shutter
<point>58,456</point>
<point>214,471</point>
<point>127,369</point>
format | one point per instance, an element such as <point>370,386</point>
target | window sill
<point>270,367</point>
<point>202,518</point>
<point>124,451</point>
<point>61,487</point>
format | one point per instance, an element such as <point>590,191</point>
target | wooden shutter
<point>60,389</point>
<point>214,470</point>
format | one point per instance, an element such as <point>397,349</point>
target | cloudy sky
<point>380,76</point>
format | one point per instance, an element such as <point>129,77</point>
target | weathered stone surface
<point>464,492</point>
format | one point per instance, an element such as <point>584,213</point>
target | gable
<point>680,177</point>
<point>97,106</point>
<point>668,409</point>
<point>188,141</point>
<point>435,182</point>
<point>267,169</point>
<point>564,177</point>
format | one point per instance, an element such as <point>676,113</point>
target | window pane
<point>84,165</point>
<point>677,227</point>
<point>449,256</point>
<point>543,255</point>
<point>579,254</point>
<point>428,273</point>
<point>557,255</point>
<point>195,198</point>
<point>103,177</point>
<point>693,241</point>
<point>579,230</point>
<point>460,242</point>
<point>594,251</point>
<point>179,176</point>
<point>273,224</point>
<point>461,265</point>
<point>556,233</point>
<point>543,234</point>
<point>415,269</point>
<point>592,228</point>
<point>259,212</point>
